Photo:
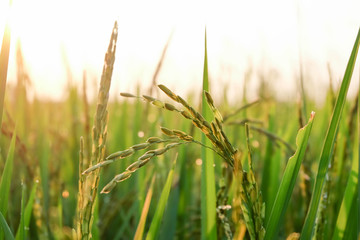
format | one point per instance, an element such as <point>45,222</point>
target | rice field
<point>157,165</point>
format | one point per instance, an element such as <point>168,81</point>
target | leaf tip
<point>312,115</point>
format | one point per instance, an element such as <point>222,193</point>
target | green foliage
<point>288,181</point>
<point>26,212</point>
<point>160,208</point>
<point>6,177</point>
<point>326,152</point>
<point>350,195</point>
<point>5,227</point>
<point>208,197</point>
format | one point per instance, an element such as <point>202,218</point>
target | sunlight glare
<point>61,36</point>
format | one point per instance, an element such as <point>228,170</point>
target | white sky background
<point>261,35</point>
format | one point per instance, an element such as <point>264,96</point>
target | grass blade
<point>6,177</point>
<point>155,224</point>
<point>326,153</point>
<point>21,230</point>
<point>349,199</point>
<point>6,229</point>
<point>288,181</point>
<point>272,159</point>
<point>140,229</point>
<point>358,146</point>
<point>27,211</point>
<point>186,198</point>
<point>208,196</point>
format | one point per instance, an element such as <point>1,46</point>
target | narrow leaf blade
<point>208,195</point>
<point>6,229</point>
<point>155,224</point>
<point>28,210</point>
<point>6,177</point>
<point>350,195</point>
<point>326,153</point>
<point>288,181</point>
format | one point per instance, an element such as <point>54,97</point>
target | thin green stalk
<point>22,221</point>
<point>251,197</point>
<point>274,137</point>
<point>269,181</point>
<point>27,212</point>
<point>326,153</point>
<point>301,72</point>
<point>158,67</point>
<point>208,194</point>
<point>89,184</point>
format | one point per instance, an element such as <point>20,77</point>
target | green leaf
<point>6,177</point>
<point>6,229</point>
<point>22,223</point>
<point>326,153</point>
<point>186,199</point>
<point>270,179</point>
<point>155,223</point>
<point>358,199</point>
<point>288,181</point>
<point>349,199</point>
<point>208,195</point>
<point>26,213</point>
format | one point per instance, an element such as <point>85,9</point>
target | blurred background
<point>270,40</point>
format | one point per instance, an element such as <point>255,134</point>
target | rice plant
<point>170,166</point>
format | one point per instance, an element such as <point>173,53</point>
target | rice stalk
<point>88,184</point>
<point>222,208</point>
<point>252,206</point>
<point>159,65</point>
<point>249,195</point>
<point>242,108</point>
<point>142,160</point>
<point>274,137</point>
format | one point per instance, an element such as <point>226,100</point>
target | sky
<point>268,38</point>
